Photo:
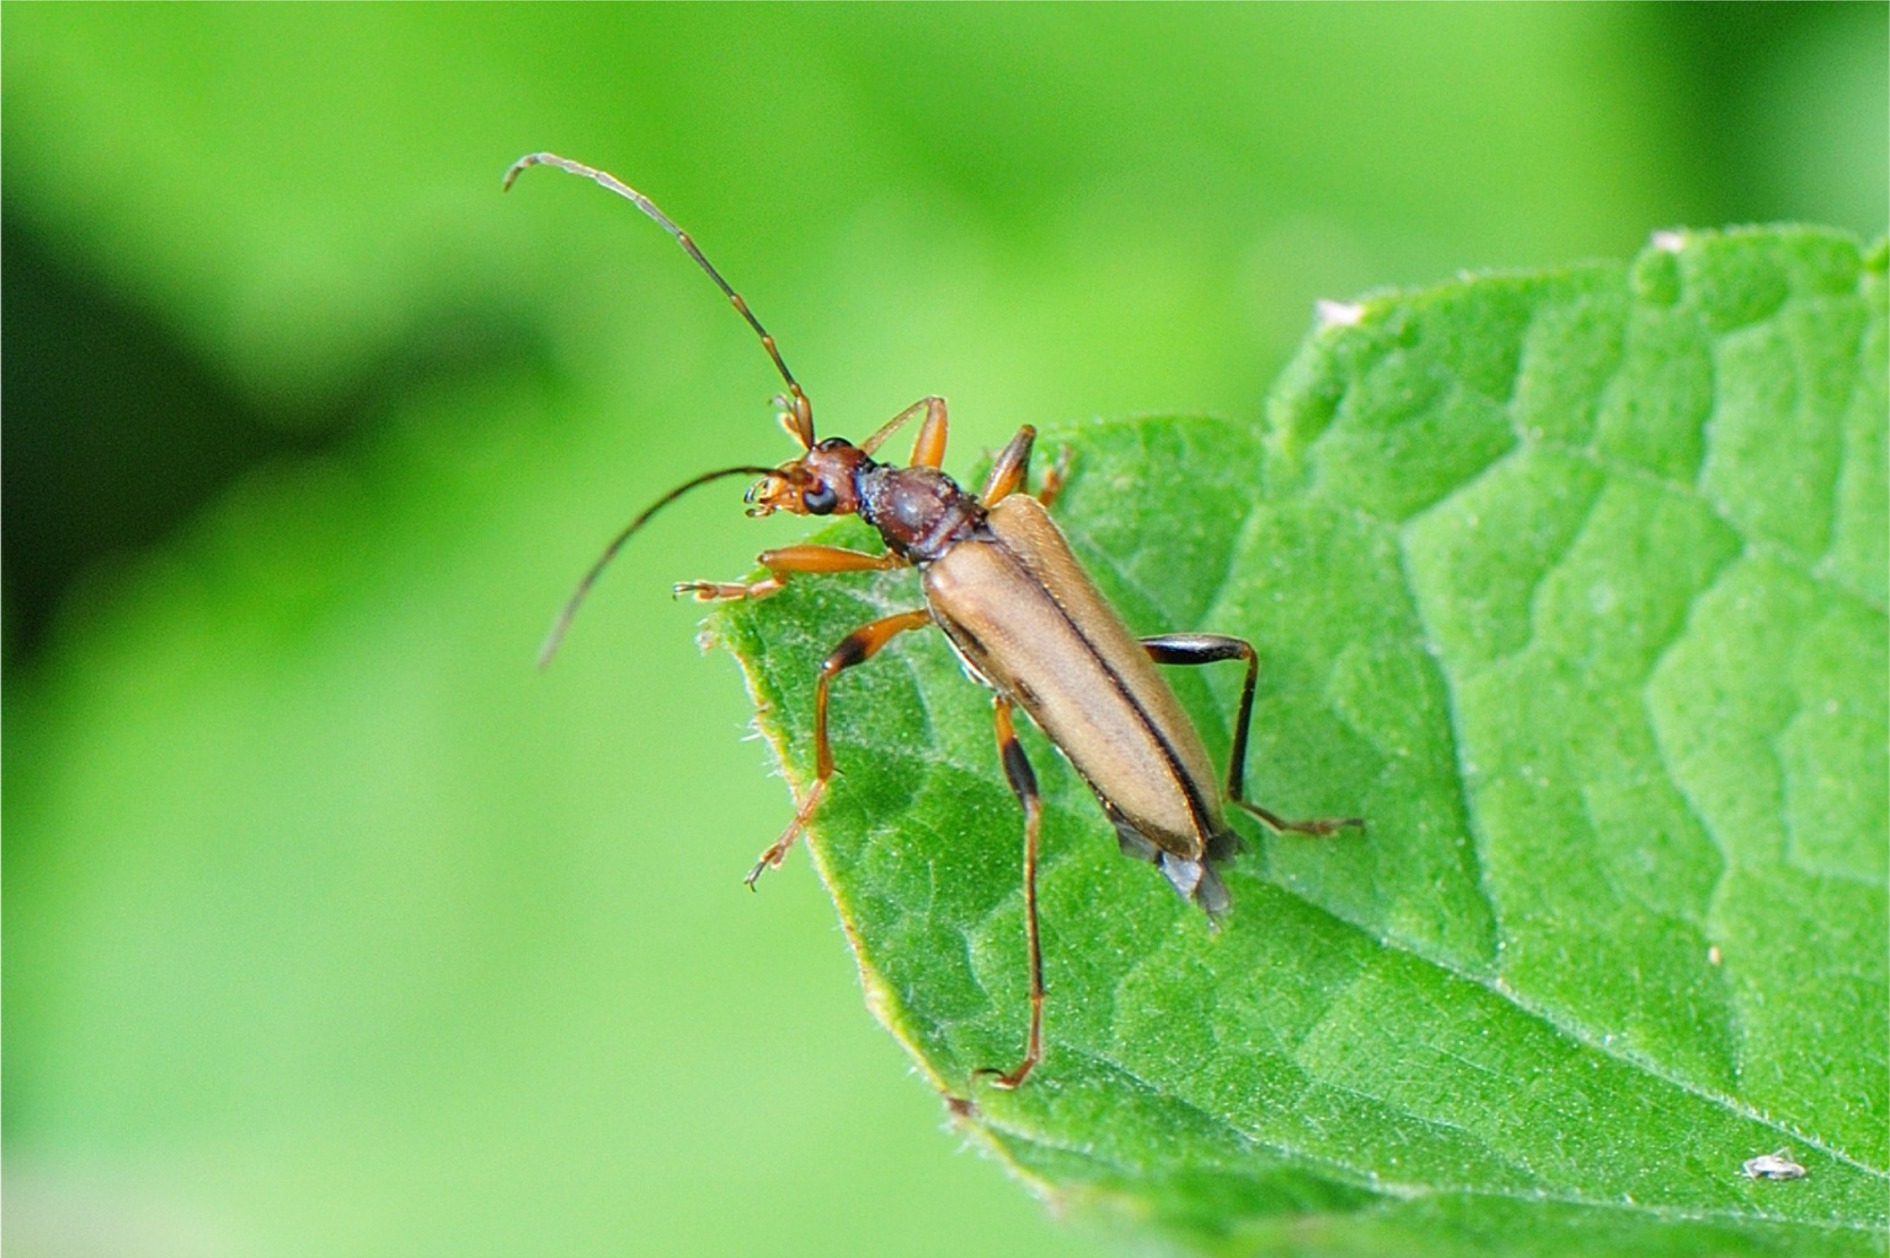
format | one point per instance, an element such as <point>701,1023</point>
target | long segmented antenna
<point>563,623</point>
<point>800,420</point>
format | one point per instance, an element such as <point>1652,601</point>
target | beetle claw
<point>726,591</point>
<point>1006,1081</point>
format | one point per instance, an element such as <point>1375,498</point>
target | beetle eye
<point>820,500</point>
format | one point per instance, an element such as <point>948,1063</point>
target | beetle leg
<point>1208,648</point>
<point>929,449</point>
<point>1054,478</point>
<point>1010,469</point>
<point>1024,784</point>
<point>856,648</point>
<point>783,563</point>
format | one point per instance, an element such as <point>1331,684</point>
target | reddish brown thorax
<point>920,512</point>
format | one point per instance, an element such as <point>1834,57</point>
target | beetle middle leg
<point>856,648</point>
<point>1024,784</point>
<point>1053,479</point>
<point>1210,648</point>
<point>785,562</point>
<point>1010,471</point>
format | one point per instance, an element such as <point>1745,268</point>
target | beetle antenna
<point>800,416</point>
<point>563,622</point>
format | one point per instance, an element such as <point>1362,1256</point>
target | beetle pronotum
<point>1023,616</point>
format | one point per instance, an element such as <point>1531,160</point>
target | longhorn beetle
<point>1019,610</point>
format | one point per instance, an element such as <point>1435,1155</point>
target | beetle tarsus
<point>1010,1080</point>
<point>1317,827</point>
<point>772,858</point>
<point>728,591</point>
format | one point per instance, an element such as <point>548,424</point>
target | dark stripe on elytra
<point>972,650</point>
<point>1196,805</point>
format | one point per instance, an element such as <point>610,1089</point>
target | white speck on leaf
<point>1776,1165</point>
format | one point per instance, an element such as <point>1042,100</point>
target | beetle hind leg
<point>1024,785</point>
<point>1317,827</point>
<point>1208,648</point>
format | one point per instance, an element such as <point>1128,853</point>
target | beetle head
<point>820,482</point>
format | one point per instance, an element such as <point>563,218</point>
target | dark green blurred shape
<point>1768,111</point>
<point>330,927</point>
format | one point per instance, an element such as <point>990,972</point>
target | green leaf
<point>1573,585</point>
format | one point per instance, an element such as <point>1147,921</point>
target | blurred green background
<point>333,928</point>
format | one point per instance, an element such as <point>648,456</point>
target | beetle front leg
<point>783,563</point>
<point>1024,785</point>
<point>1209,648</point>
<point>856,648</point>
<point>929,449</point>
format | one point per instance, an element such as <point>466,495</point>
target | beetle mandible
<point>1019,610</point>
